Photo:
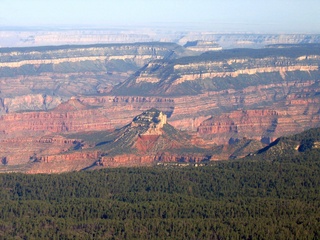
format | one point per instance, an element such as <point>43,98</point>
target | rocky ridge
<point>81,114</point>
<point>221,97</point>
<point>148,139</point>
<point>51,75</point>
<point>67,117</point>
<point>203,46</point>
<point>43,37</point>
<point>291,146</point>
<point>276,79</point>
<point>229,69</point>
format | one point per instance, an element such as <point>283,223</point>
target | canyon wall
<point>225,70</point>
<point>41,78</point>
<point>83,114</point>
<point>37,37</point>
<point>288,109</point>
<point>239,89</point>
<point>221,86</point>
<point>223,97</point>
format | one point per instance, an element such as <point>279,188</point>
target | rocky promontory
<point>147,140</point>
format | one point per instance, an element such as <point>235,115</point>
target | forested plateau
<point>252,198</point>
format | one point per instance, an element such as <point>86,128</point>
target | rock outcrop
<point>283,118</point>
<point>289,109</point>
<point>79,115</point>
<point>148,139</point>
<point>24,150</point>
<point>50,75</point>
<point>291,146</point>
<point>249,40</point>
<point>229,69</point>
<point>203,46</point>
<point>282,80</point>
<point>71,116</point>
<point>225,97</point>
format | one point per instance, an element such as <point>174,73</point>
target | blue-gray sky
<point>263,16</point>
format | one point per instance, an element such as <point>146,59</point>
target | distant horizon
<point>141,28</point>
<point>229,16</point>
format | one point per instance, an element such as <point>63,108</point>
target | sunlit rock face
<point>146,140</point>
<point>40,78</point>
<point>239,91</point>
<point>221,97</point>
<point>229,69</point>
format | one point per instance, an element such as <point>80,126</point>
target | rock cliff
<point>25,150</point>
<point>228,69</point>
<point>295,113</point>
<point>249,40</point>
<point>148,139</point>
<point>278,87</point>
<point>71,116</point>
<point>203,46</point>
<point>29,37</point>
<point>40,78</point>
<point>223,97</point>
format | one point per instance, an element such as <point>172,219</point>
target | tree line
<point>239,199</point>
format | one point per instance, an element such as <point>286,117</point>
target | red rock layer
<point>78,115</point>
<point>74,156</point>
<point>146,142</point>
<point>291,107</point>
<point>262,124</point>
<point>136,160</point>
<point>68,117</point>
<point>25,149</point>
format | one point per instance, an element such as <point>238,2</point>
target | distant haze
<point>261,16</point>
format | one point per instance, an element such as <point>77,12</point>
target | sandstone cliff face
<point>290,107</point>
<point>296,104</point>
<point>224,99</point>
<point>56,73</point>
<point>69,117</point>
<point>283,71</point>
<point>224,70</point>
<point>148,139</point>
<point>27,149</point>
<point>221,84</point>
<point>84,114</point>
<point>262,124</point>
<point>75,156</point>
<point>203,46</point>
<point>134,160</point>
<point>30,102</point>
<point>240,124</point>
<point>15,58</point>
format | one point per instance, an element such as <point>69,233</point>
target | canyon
<point>146,140</point>
<point>46,37</point>
<point>63,108</point>
<point>40,78</point>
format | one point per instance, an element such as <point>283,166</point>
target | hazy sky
<point>223,15</point>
